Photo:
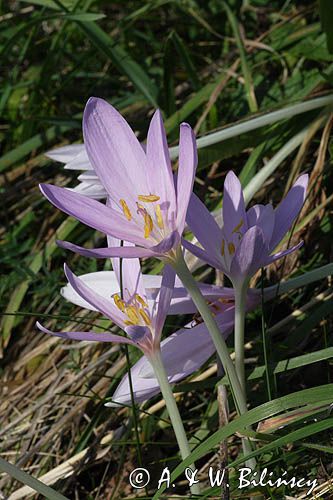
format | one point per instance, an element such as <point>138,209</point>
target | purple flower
<point>183,352</point>
<point>144,205</point>
<point>248,238</point>
<point>141,321</point>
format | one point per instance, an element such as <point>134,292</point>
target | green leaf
<point>326,17</point>
<point>34,483</point>
<point>296,399</point>
<point>84,16</point>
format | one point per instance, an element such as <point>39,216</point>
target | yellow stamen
<point>145,317</point>
<point>149,198</point>
<point>129,323</point>
<point>141,300</point>
<point>231,248</point>
<point>222,248</point>
<point>119,302</point>
<point>126,210</point>
<point>159,217</point>
<point>148,224</point>
<point>132,313</point>
<point>237,228</point>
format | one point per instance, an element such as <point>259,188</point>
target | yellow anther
<point>237,228</point>
<point>231,248</point>
<point>132,313</point>
<point>141,300</point>
<point>222,248</point>
<point>145,317</point>
<point>129,323</point>
<point>126,210</point>
<point>159,217</point>
<point>149,198</point>
<point>119,302</point>
<point>148,224</point>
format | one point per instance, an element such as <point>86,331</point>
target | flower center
<point>230,245</point>
<point>149,210</point>
<point>135,310</point>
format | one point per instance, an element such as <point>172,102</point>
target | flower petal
<point>250,255</point>
<point>159,171</point>
<point>90,336</point>
<point>163,301</point>
<point>188,160</point>
<point>114,151</point>
<point>92,213</point>
<point>233,208</point>
<point>103,305</point>
<point>279,255</point>
<point>65,154</point>
<point>203,226</point>
<point>264,217</point>
<point>106,252</point>
<point>183,353</point>
<point>203,255</point>
<point>289,208</point>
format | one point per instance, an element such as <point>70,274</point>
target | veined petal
<point>183,353</point>
<point>279,255</point>
<point>188,160</point>
<point>164,300</point>
<point>80,162</point>
<point>114,151</point>
<point>92,190</point>
<point>66,153</point>
<point>233,208</point>
<point>250,255</point>
<point>159,171</point>
<point>90,336</point>
<point>264,217</point>
<point>203,226</point>
<point>92,213</point>
<point>103,305</point>
<point>289,208</point>
<point>106,253</point>
<point>203,255</point>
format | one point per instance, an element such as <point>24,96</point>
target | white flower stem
<point>240,304</point>
<point>221,347</point>
<point>176,420</point>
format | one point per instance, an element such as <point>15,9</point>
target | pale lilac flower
<point>145,206</point>
<point>248,238</point>
<point>142,322</point>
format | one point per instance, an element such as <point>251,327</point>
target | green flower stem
<point>176,420</point>
<point>221,347</point>
<point>240,304</point>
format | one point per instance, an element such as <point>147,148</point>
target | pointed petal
<point>183,353</point>
<point>203,226</point>
<point>92,213</point>
<point>288,210</point>
<point>80,162</point>
<point>159,171</point>
<point>114,151</point>
<point>90,336</point>
<point>233,208</point>
<point>104,283</point>
<point>66,153</point>
<point>203,255</point>
<point>279,255</point>
<point>164,299</point>
<point>188,160</point>
<point>92,190</point>
<point>250,255</point>
<point>264,217</point>
<point>103,305</point>
<point>106,253</point>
